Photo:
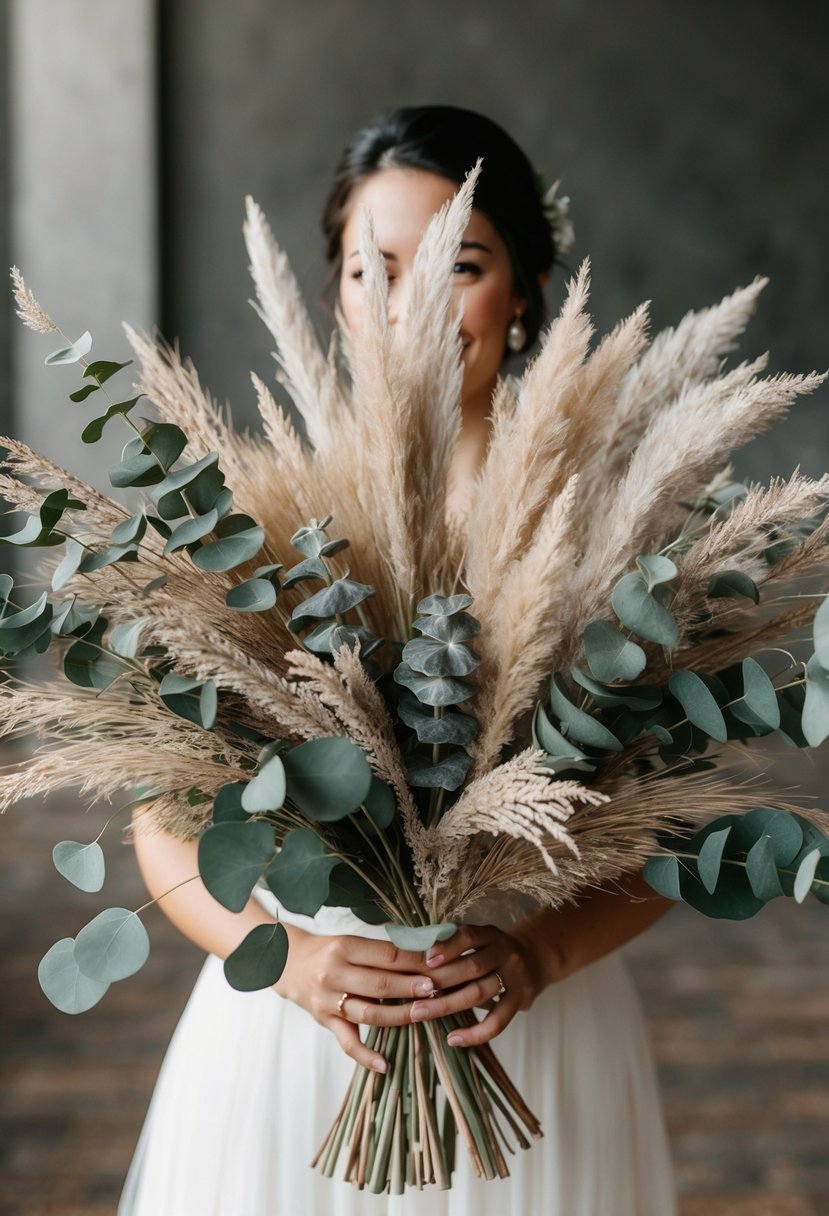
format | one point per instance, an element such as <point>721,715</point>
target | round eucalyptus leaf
<point>815,718</point>
<point>232,859</point>
<point>240,539</point>
<point>662,873</point>
<point>444,605</point>
<point>112,946</point>
<point>640,696</point>
<point>791,701</point>
<point>343,595</point>
<point>451,727</point>
<point>640,611</point>
<point>165,440</point>
<point>310,567</point>
<point>194,700</point>
<point>131,531</point>
<point>433,690</point>
<point>762,870</point>
<point>348,889</point>
<point>805,875</point>
<point>782,829</point>
<point>63,982</point>
<point>266,791</point>
<point>124,639</point>
<point>259,960</point>
<point>459,627</point>
<point>448,774</point>
<point>656,570</point>
<point>227,805</point>
<point>710,857</point>
<point>699,704</point>
<point>759,696</point>
<point>433,658</point>
<point>82,864</point>
<point>610,655</point>
<point>420,937</point>
<point>73,353</point>
<point>379,803</point>
<point>821,634</point>
<point>327,778</point>
<point>191,531</point>
<point>184,476</point>
<point>733,898</point>
<point>254,595</point>
<point>728,583</point>
<point>299,874</point>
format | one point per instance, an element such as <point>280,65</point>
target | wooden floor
<point>739,1016</point>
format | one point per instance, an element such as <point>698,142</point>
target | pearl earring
<point>516,335</point>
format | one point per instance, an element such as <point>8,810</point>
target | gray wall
<point>692,139</point>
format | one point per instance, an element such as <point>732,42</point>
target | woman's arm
<point>319,969</point>
<point>541,950</point>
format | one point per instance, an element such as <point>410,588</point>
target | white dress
<point>251,1083</point>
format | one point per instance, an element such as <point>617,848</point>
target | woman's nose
<point>398,302</point>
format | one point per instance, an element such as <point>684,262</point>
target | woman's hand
<point>500,975</point>
<point>320,971</point>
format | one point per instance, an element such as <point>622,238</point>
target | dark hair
<point>448,140</point>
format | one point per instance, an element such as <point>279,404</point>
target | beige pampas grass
<point>27,307</point>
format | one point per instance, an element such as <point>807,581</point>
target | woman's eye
<point>357,274</point>
<point>467,268</point>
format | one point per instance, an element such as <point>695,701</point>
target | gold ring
<point>501,987</point>
<point>340,1004</point>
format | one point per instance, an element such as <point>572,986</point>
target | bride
<point>250,1081</point>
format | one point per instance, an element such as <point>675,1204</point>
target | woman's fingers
<point>348,1037</point>
<point>488,1028</point>
<point>470,967</point>
<point>474,995</point>
<point>385,956</point>
<point>468,937</point>
<point>385,985</point>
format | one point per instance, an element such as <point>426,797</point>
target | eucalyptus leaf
<point>699,704</point>
<point>254,595</point>
<point>805,875</point>
<point>239,539</point>
<point>379,803</point>
<point>782,829</point>
<point>88,664</point>
<point>81,394</point>
<point>550,739</point>
<point>182,477</point>
<point>434,658</point>
<point>125,638</point>
<point>581,726</point>
<point>444,605</point>
<point>327,778</point>
<point>341,596</point>
<point>191,531</point>
<point>266,791</point>
<point>259,960</point>
<point>131,531</point>
<point>459,627</point>
<point>136,471</point>
<point>227,804</point>
<point>63,982</point>
<point>112,946</point>
<point>732,583</point>
<point>165,440</point>
<point>299,874</point>
<point>710,857</point>
<point>195,700</point>
<point>420,937</point>
<point>815,718</point>
<point>232,859</point>
<point>656,570</point>
<point>820,631</point>
<point>449,773</point>
<point>662,874</point>
<point>311,567</point>
<point>433,690</point>
<point>82,864</point>
<point>450,727</point>
<point>640,697</point>
<point>762,870</point>
<point>610,655</point>
<point>73,353</point>
<point>759,700</point>
<point>638,609</point>
<point>103,369</point>
<point>93,431</point>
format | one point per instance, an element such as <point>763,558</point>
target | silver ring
<point>501,988</point>
<point>340,1004</point>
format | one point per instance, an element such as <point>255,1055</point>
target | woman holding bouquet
<point>251,1080</point>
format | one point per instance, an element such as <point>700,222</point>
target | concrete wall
<point>83,200</point>
<point>691,137</point>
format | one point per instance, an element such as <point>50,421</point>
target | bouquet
<point>294,650</point>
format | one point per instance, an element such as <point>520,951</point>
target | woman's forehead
<point>401,202</point>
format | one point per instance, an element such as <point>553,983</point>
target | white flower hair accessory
<point>557,211</point>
